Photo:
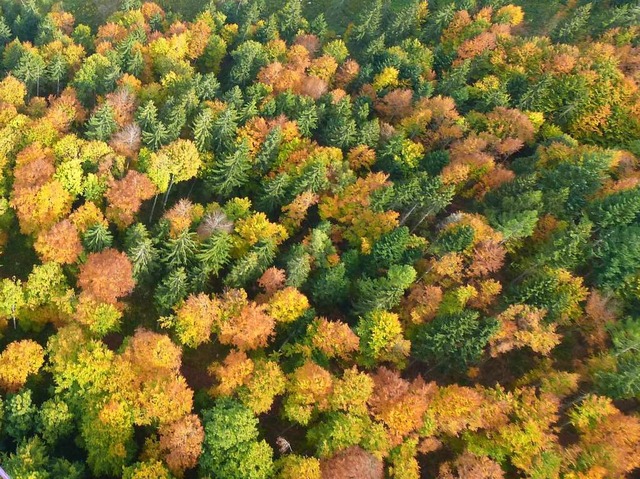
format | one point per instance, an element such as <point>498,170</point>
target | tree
<point>383,293</point>
<point>334,339</point>
<point>400,404</point>
<point>381,339</point>
<point>556,290</point>
<point>127,140</point>
<point>368,24</point>
<point>231,172</point>
<point>182,443</point>
<point>471,465</point>
<point>12,298</point>
<point>55,421</point>
<point>20,415</point>
<point>265,383</point>
<point>195,319</point>
<point>608,438</point>
<point>107,432</point>
<point>31,69</point>
<point>61,243</point>
<point>175,162</point>
<point>287,305</point>
<point>231,448</point>
<point>403,462</point>
<point>107,276</point>
<point>291,18</point>
<point>125,196</point>
<point>249,328</point>
<point>100,318</point>
<point>57,70</point>
<point>18,361</point>
<point>248,58</point>
<point>40,208</point>
<point>521,326</point>
<point>96,238</point>
<point>151,355</point>
<point>171,290</point>
<point>146,470</point>
<point>617,376</point>
<point>102,123</point>
<point>352,461</point>
<point>352,392</point>
<point>153,132</point>
<point>618,255</point>
<point>292,466</point>
<point>454,341</point>
<point>231,373</point>
<point>308,392</point>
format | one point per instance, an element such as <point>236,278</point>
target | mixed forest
<point>253,239</point>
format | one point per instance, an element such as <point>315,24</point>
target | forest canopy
<point>248,239</point>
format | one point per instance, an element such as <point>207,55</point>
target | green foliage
<point>102,125</point>
<point>231,447</point>
<point>248,58</point>
<point>97,238</point>
<point>55,421</point>
<point>20,415</point>
<point>231,172</point>
<point>573,26</point>
<point>619,254</point>
<point>619,376</point>
<point>140,250</point>
<point>173,288</point>
<point>455,341</point>
<point>385,292</point>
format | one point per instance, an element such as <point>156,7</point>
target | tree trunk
<point>166,195</point>
<point>153,208</point>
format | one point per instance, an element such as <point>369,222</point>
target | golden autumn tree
<point>231,373</point>
<point>250,328</point>
<point>335,339</point>
<point>18,361</point>
<point>287,305</point>
<point>194,319</point>
<point>308,392</point>
<point>60,244</point>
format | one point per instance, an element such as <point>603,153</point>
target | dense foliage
<point>255,239</point>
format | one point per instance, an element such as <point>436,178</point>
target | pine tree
<point>57,70</point>
<point>154,133</point>
<point>141,250</point>
<point>383,293</point>
<point>291,19</point>
<point>455,341</point>
<point>203,130</point>
<point>571,28</point>
<point>368,23</point>
<point>249,268</point>
<point>171,290</point>
<point>214,252</point>
<point>102,123</point>
<point>31,69</point>
<point>248,58</point>
<point>97,238</point>
<point>224,130</point>
<point>231,172</point>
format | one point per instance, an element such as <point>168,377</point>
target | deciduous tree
<point>107,276</point>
